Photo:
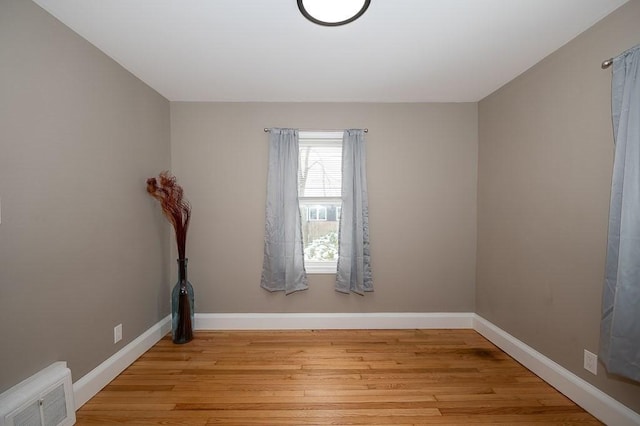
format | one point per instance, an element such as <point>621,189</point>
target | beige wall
<point>421,163</point>
<point>82,246</point>
<point>545,162</point>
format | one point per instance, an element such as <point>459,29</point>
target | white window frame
<point>317,267</point>
<point>318,209</point>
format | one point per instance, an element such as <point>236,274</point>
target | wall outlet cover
<point>591,362</point>
<point>117,333</point>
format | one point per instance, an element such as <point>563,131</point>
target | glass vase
<point>182,311</point>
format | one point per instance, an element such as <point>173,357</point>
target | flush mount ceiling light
<point>332,13</point>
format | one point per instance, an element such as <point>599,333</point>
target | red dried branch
<point>174,206</point>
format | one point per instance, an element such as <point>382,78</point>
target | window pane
<point>322,213</point>
<point>320,232</point>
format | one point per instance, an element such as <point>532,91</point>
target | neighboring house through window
<point>320,191</point>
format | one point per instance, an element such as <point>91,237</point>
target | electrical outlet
<point>591,362</point>
<point>117,333</point>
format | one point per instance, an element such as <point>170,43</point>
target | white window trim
<point>316,267</point>
<point>323,136</point>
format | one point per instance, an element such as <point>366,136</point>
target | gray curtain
<point>283,265</point>
<point>354,262</point>
<point>620,326</point>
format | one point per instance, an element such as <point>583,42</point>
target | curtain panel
<point>283,264</point>
<point>354,260</point>
<point>620,324</point>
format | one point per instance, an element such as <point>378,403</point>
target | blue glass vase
<point>182,311</point>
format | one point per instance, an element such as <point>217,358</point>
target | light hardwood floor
<point>330,377</point>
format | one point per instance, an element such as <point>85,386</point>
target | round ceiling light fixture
<point>332,13</point>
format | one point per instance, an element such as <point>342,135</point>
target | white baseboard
<point>91,383</point>
<point>328,321</point>
<point>583,393</point>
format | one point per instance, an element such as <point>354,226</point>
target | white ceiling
<point>264,50</point>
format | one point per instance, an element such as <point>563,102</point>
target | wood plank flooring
<point>330,377</point>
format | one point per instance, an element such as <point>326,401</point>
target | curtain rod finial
<point>606,64</point>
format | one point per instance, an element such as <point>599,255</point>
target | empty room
<point>261,212</point>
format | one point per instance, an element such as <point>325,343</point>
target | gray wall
<point>82,246</point>
<point>545,162</point>
<point>421,161</point>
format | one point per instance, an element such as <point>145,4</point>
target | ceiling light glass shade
<point>332,12</point>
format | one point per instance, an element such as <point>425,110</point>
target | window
<point>320,191</point>
<point>317,213</point>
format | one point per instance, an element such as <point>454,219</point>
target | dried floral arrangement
<point>178,211</point>
<point>174,206</point>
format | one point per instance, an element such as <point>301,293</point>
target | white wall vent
<point>44,399</point>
